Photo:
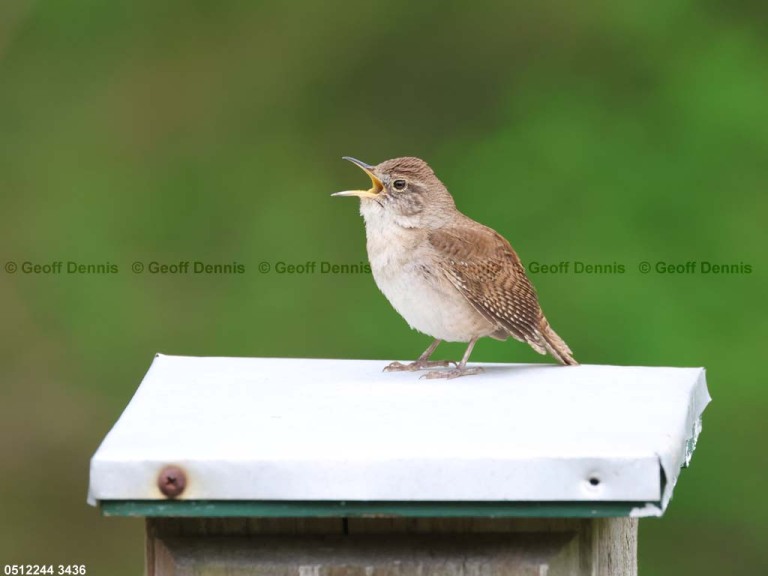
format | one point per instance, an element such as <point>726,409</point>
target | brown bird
<point>450,277</point>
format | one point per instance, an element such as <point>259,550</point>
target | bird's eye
<point>399,184</point>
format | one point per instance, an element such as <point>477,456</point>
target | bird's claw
<point>449,374</point>
<point>418,365</point>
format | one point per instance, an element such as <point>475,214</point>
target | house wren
<point>448,276</point>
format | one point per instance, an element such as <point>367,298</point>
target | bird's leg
<point>421,363</point>
<point>460,370</point>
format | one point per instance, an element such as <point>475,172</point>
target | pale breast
<point>400,262</point>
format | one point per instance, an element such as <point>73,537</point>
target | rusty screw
<point>172,481</point>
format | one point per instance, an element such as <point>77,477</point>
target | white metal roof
<point>343,430</point>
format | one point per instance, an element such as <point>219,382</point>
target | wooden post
<point>392,546</point>
<point>332,468</point>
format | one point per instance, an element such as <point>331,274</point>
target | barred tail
<point>555,345</point>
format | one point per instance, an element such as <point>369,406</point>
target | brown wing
<point>482,265</point>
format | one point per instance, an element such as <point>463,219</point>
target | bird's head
<point>404,188</point>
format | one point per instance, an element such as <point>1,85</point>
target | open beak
<point>377,184</point>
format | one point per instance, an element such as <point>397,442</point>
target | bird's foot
<point>417,365</point>
<point>455,373</point>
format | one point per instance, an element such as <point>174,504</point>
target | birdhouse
<point>315,467</point>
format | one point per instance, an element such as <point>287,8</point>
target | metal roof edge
<point>333,509</point>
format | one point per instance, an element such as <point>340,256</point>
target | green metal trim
<point>327,509</point>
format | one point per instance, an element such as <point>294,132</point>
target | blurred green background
<point>191,130</point>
